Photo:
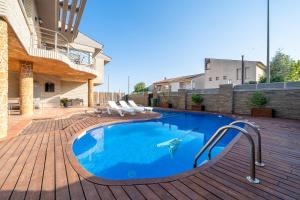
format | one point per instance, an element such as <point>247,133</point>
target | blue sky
<point>152,39</point>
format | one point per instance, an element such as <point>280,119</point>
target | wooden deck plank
<point>61,180</point>
<point>21,187</point>
<point>48,185</point>
<point>261,188</point>
<point>76,190</point>
<point>213,175</point>
<point>133,193</point>
<point>161,192</point>
<point>266,181</point>
<point>89,189</point>
<point>265,174</point>
<point>172,190</point>
<point>104,192</point>
<point>215,188</point>
<point>186,190</point>
<point>147,193</point>
<point>119,193</point>
<point>10,162</point>
<point>36,180</point>
<point>198,189</point>
<point>16,170</point>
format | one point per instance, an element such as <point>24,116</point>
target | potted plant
<point>197,99</point>
<point>257,103</point>
<point>65,102</point>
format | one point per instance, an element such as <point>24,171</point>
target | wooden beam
<point>78,17</point>
<point>64,15</point>
<point>71,16</point>
<point>57,14</point>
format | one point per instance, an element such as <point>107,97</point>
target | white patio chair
<point>112,106</point>
<point>125,105</point>
<point>133,105</point>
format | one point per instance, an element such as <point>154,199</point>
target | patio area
<point>34,165</point>
<point>17,123</point>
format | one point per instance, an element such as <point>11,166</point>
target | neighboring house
<point>183,82</point>
<point>43,56</point>
<point>225,71</point>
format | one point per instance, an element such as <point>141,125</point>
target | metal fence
<point>268,86</point>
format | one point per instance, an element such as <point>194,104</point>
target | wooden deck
<point>34,165</point>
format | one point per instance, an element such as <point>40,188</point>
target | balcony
<point>53,45</point>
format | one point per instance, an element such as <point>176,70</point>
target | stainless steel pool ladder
<point>256,129</point>
<point>222,131</point>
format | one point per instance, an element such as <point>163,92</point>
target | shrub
<point>262,79</point>
<point>252,82</point>
<point>197,98</point>
<point>258,99</point>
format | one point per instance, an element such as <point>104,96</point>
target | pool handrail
<point>223,130</point>
<point>256,129</point>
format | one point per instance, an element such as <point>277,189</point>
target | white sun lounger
<point>125,105</point>
<point>133,105</point>
<point>112,106</point>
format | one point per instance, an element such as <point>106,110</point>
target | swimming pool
<point>149,149</point>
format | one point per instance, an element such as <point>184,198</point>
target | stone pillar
<point>182,99</point>
<point>90,93</point>
<point>146,99</point>
<point>26,87</point>
<point>225,100</point>
<point>3,78</point>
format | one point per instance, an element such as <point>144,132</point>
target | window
<point>182,85</point>
<point>238,74</point>
<point>247,72</point>
<point>210,79</point>
<point>217,78</point>
<point>224,77</point>
<point>49,87</point>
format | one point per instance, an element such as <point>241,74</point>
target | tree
<point>294,74</point>
<point>280,67</point>
<point>139,87</point>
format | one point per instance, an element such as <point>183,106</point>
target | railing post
<point>223,131</point>
<point>257,131</point>
<point>55,41</point>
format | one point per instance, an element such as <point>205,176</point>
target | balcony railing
<point>50,40</point>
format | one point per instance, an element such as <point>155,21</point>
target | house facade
<point>183,82</point>
<point>217,72</point>
<point>225,71</point>
<point>44,57</point>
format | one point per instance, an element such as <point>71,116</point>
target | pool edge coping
<point>100,181</point>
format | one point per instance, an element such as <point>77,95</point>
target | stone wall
<point>228,99</point>
<point>3,77</point>
<point>286,103</point>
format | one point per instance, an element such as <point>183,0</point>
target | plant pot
<point>164,105</point>
<point>198,107</point>
<point>262,112</point>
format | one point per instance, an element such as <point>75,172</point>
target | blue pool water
<point>150,149</point>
